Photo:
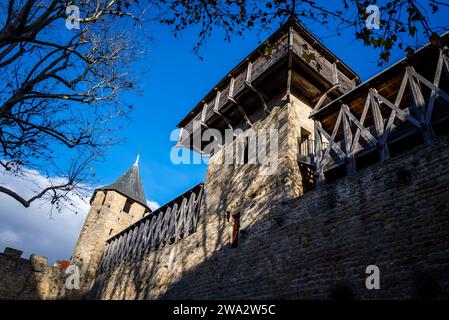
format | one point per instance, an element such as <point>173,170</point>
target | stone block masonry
<point>393,214</point>
<point>29,278</point>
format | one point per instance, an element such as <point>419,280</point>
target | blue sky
<point>174,81</point>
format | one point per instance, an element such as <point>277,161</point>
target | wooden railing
<point>418,114</point>
<point>170,223</point>
<point>306,147</point>
<point>229,88</point>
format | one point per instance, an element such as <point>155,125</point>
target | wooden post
<point>349,159</point>
<point>419,105</point>
<point>317,159</point>
<point>217,100</point>
<point>249,70</point>
<point>378,125</point>
<point>334,73</point>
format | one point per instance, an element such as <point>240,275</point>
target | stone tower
<point>266,102</point>
<point>113,208</point>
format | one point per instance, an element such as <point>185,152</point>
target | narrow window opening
<point>246,152</point>
<point>235,230</point>
<point>306,144</point>
<point>104,198</point>
<point>110,232</point>
<point>127,206</point>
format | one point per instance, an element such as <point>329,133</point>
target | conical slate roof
<point>130,185</point>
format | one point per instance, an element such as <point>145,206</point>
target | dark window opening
<point>305,134</point>
<point>235,230</point>
<point>246,152</point>
<point>104,198</point>
<point>127,206</point>
<point>110,232</point>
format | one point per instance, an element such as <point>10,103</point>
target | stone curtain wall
<point>393,214</point>
<point>29,278</point>
<point>105,219</point>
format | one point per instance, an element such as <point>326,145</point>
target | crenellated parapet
<point>31,278</point>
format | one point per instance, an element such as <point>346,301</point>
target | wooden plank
<point>347,134</point>
<point>334,73</point>
<point>419,104</point>
<point>259,95</point>
<point>319,170</point>
<point>203,113</point>
<point>112,255</point>
<point>129,242</point>
<point>157,231</point>
<point>331,141</point>
<point>217,101</point>
<point>362,129</point>
<point>153,240</point>
<point>249,70</point>
<point>377,115</point>
<point>165,223</point>
<point>179,222</point>
<point>231,88</point>
<point>103,259</point>
<point>323,97</point>
<point>190,214</point>
<point>400,113</point>
<point>137,241</point>
<point>144,239</point>
<point>362,121</point>
<point>436,83</point>
<point>392,117</point>
<point>149,236</point>
<point>439,91</point>
<point>333,145</point>
<point>200,215</point>
<point>172,225</point>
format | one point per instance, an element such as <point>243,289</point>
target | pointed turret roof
<point>130,185</point>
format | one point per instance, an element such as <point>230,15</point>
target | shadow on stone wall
<point>30,279</point>
<point>318,245</point>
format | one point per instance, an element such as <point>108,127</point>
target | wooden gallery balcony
<point>405,105</point>
<point>169,224</point>
<point>291,60</point>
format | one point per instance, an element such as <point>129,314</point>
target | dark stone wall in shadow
<point>317,245</point>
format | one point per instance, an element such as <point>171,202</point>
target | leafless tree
<point>60,87</point>
<point>405,24</point>
<point>59,92</point>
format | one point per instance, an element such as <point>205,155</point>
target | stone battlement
<point>32,278</point>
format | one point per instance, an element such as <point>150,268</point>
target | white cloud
<point>39,229</point>
<point>153,205</point>
<point>9,236</point>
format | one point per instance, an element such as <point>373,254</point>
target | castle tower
<point>113,208</point>
<point>272,92</point>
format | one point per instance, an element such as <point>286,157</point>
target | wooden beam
<point>436,83</point>
<point>400,113</point>
<point>334,73</point>
<point>319,170</point>
<point>203,113</point>
<point>323,98</point>
<point>361,129</point>
<point>249,70</point>
<point>217,101</point>
<point>347,134</point>
<point>231,88</point>
<point>259,95</point>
